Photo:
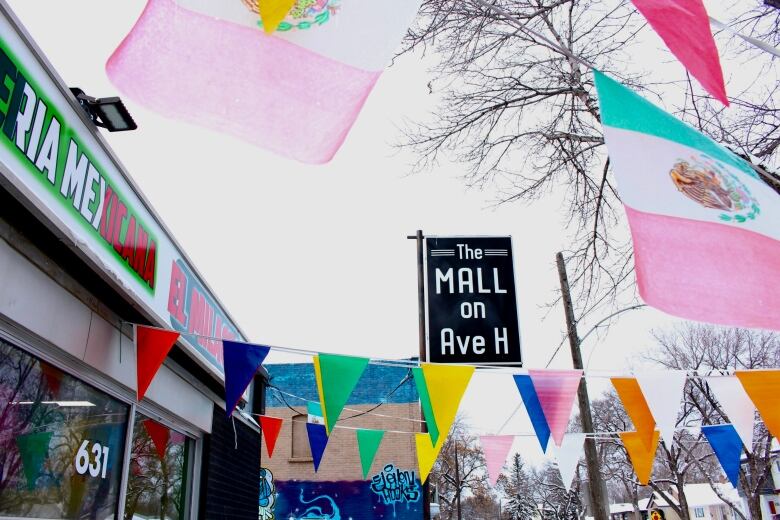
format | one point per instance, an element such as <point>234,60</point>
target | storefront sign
<point>54,159</point>
<point>471,302</point>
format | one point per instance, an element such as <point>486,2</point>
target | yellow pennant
<point>272,12</point>
<point>318,378</point>
<point>427,453</point>
<point>641,456</point>
<point>763,387</point>
<point>446,386</point>
<point>633,400</point>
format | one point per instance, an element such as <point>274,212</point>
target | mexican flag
<point>296,92</point>
<point>706,229</point>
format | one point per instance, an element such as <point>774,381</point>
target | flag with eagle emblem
<point>705,228</point>
<point>296,92</point>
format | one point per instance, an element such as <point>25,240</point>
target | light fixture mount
<point>109,113</point>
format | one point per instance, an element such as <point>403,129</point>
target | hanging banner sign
<point>59,165</point>
<point>471,301</point>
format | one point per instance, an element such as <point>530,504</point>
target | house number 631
<point>99,463</point>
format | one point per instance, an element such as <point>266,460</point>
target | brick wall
<point>341,461</point>
<point>230,481</point>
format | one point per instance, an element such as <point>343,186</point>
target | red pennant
<point>151,347</point>
<point>53,378</point>
<point>271,427</point>
<point>159,435</point>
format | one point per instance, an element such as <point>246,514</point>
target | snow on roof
<point>621,508</point>
<point>703,495</point>
<point>642,503</point>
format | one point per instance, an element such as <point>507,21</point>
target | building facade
<point>384,399</point>
<point>83,257</point>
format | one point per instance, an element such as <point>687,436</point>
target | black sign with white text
<point>472,306</point>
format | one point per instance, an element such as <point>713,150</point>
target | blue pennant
<point>318,439</point>
<point>241,363</point>
<point>727,446</point>
<point>527,391</point>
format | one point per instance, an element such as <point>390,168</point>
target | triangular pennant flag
<point>271,427</point>
<point>336,378</point>
<point>425,403</point>
<point>318,440</point>
<point>763,387</point>
<point>368,443</point>
<point>446,386</point>
<point>736,404</point>
<point>641,456</point>
<point>33,449</point>
<point>241,363</point>
<point>53,378</point>
<point>727,446</point>
<point>556,390</point>
<point>272,12</point>
<point>684,26</point>
<point>534,409</point>
<point>151,347</point>
<point>159,434</point>
<point>663,391</point>
<point>636,406</point>
<point>427,453</point>
<point>569,455</point>
<point>496,449</point>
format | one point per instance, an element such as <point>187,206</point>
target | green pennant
<point>368,444</point>
<point>425,402</point>
<point>33,448</point>
<point>338,376</point>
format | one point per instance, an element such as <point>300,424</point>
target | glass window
<point>61,442</point>
<point>699,512</point>
<point>159,467</point>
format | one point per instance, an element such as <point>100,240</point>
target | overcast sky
<point>317,256</point>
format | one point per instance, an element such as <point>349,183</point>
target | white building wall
<point>34,301</point>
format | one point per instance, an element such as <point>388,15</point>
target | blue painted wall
<point>374,386</point>
<point>299,500</point>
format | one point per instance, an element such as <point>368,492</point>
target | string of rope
<point>358,413</point>
<point>485,369</point>
<point>610,435</point>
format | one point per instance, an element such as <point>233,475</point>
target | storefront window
<point>61,442</point>
<point>159,463</point>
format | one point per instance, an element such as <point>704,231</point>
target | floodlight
<point>109,113</point>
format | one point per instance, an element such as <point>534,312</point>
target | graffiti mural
<point>395,485</point>
<point>267,494</point>
<point>343,500</point>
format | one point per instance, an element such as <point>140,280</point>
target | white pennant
<point>663,391</point>
<point>568,456</point>
<point>736,403</point>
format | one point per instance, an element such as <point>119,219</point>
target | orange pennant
<point>641,456</point>
<point>633,400</point>
<point>763,387</point>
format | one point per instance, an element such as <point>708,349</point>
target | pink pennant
<point>496,448</point>
<point>556,390</point>
<point>684,26</point>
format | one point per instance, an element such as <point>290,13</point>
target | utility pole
<point>420,238</point>
<point>595,483</point>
